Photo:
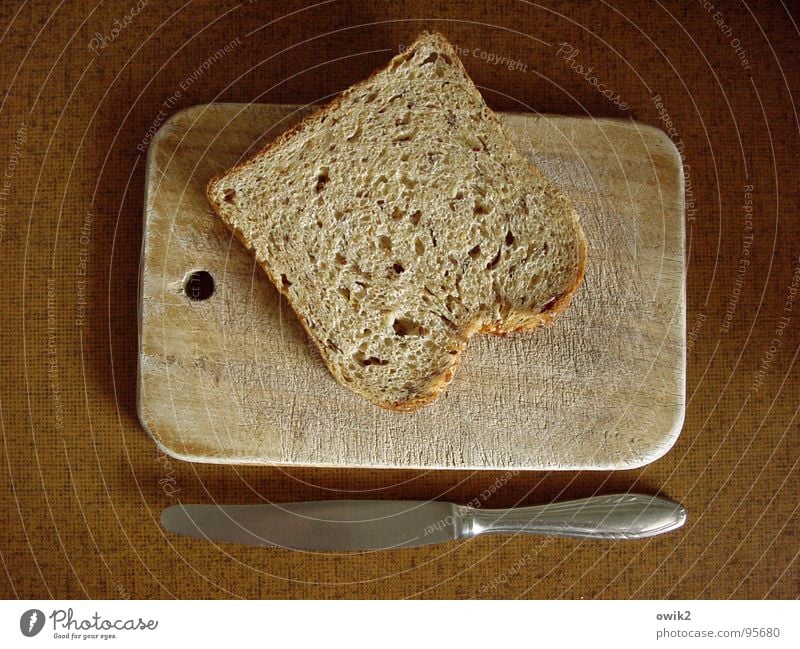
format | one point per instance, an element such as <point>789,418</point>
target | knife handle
<point>624,516</point>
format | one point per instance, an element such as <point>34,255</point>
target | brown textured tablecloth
<point>83,485</point>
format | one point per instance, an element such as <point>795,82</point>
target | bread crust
<point>517,320</point>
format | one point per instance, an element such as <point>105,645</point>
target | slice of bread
<point>399,220</point>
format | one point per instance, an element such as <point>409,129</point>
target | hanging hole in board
<point>198,285</point>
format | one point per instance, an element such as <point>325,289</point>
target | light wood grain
<point>233,378</point>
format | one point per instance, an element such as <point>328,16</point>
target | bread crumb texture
<point>399,220</point>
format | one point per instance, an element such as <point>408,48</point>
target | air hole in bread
<point>397,213</point>
<point>345,292</point>
<point>495,260</point>
<point>548,306</point>
<point>285,281</point>
<point>408,182</point>
<point>474,251</point>
<point>408,327</point>
<point>385,243</point>
<point>398,268</point>
<point>447,321</point>
<point>480,207</point>
<point>509,238</point>
<point>498,292</point>
<point>229,195</point>
<point>419,246</point>
<point>415,217</point>
<point>404,136</point>
<point>340,258</point>
<point>365,361</point>
<point>431,58</point>
<point>322,179</point>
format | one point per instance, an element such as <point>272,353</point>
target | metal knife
<point>360,525</point>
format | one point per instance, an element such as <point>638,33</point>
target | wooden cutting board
<point>233,378</point>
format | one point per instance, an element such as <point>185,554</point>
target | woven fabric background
<point>83,485</point>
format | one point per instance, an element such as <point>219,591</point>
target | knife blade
<point>364,525</point>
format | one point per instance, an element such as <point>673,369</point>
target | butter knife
<point>359,525</point>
